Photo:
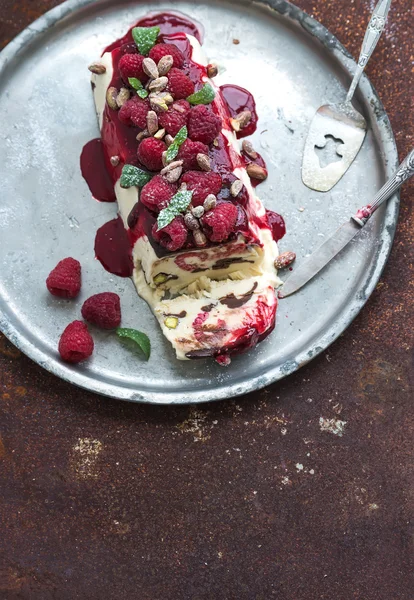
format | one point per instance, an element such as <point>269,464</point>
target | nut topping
<point>241,121</point>
<point>199,238</point>
<point>152,122</point>
<point>157,103</point>
<point>256,172</point>
<point>123,96</point>
<point>97,68</point>
<point>158,85</point>
<point>168,139</point>
<point>111,96</point>
<point>197,212</point>
<point>143,134</point>
<point>203,162</point>
<point>160,134</point>
<point>191,222</point>
<point>166,96</point>
<point>210,202</point>
<point>249,150</point>
<point>212,70</point>
<point>284,260</point>
<point>236,188</point>
<point>150,68</point>
<point>178,108</point>
<point>173,171</point>
<point>165,64</point>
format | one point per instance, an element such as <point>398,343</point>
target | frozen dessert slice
<point>202,243</point>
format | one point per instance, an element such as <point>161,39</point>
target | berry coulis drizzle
<point>113,248</point>
<point>96,173</point>
<point>113,244</point>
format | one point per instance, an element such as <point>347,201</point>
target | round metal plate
<point>292,64</point>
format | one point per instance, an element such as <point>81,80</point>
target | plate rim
<point>321,341</point>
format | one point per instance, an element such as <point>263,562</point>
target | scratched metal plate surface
<point>292,65</point>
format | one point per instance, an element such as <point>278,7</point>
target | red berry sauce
<point>96,173</point>
<point>113,248</point>
<point>238,99</point>
<point>169,23</point>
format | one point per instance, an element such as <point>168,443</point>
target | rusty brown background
<point>249,499</point>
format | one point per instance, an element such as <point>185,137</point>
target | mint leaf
<point>142,93</point>
<point>165,217</point>
<point>137,85</point>
<point>141,339</point>
<point>145,38</point>
<point>175,146</point>
<point>178,204</point>
<point>204,96</point>
<point>133,176</point>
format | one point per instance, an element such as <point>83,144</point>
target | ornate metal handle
<point>404,172</point>
<point>372,35</point>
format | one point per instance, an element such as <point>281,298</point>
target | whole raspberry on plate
<point>202,185</point>
<point>103,310</point>
<point>150,153</point>
<point>65,279</point>
<point>175,118</point>
<point>134,112</point>
<point>76,343</point>
<point>157,193</point>
<point>173,236</point>
<point>130,65</point>
<point>203,125</point>
<point>219,222</point>
<point>160,50</point>
<point>179,84</point>
<point>188,154</point>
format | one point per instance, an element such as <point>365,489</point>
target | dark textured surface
<point>238,500</point>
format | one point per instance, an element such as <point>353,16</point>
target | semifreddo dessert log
<point>191,231</point>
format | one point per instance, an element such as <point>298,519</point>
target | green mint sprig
<point>175,146</point>
<point>178,204</point>
<point>137,85</point>
<point>133,176</point>
<point>145,38</point>
<point>204,96</point>
<point>141,339</point>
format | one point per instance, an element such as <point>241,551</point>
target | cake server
<point>334,244</point>
<point>341,122</point>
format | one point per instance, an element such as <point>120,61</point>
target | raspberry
<point>203,184</point>
<point>65,279</point>
<point>173,236</point>
<point>219,222</point>
<point>76,343</point>
<point>175,118</point>
<point>157,193</point>
<point>179,84</point>
<point>203,125</point>
<point>160,50</point>
<point>150,153</point>
<point>130,65</point>
<point>103,310</point>
<point>134,112</point>
<point>188,153</point>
